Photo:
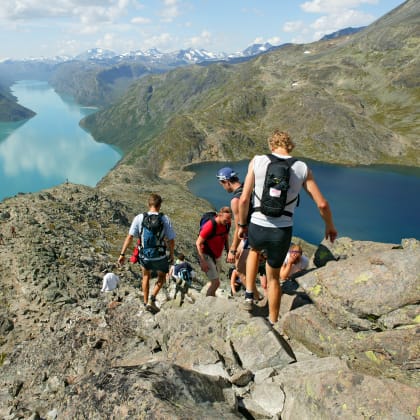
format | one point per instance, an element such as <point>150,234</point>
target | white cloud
<point>88,29</point>
<point>170,10</point>
<point>293,26</point>
<point>275,40</point>
<point>163,42</point>
<point>332,6</point>
<point>107,41</point>
<point>87,11</point>
<point>258,40</point>
<point>334,22</point>
<point>198,41</point>
<point>336,15</point>
<point>139,20</point>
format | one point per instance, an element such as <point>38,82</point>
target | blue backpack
<point>185,275</point>
<point>152,236</point>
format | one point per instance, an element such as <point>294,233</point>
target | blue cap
<point>225,174</point>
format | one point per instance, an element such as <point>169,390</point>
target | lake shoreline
<point>359,196</point>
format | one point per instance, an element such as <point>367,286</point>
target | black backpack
<point>151,236</point>
<point>276,184</point>
<point>210,215</point>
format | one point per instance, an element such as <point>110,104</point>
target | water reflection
<point>50,147</point>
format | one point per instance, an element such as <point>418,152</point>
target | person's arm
<point>232,281</point>
<point>169,237</point>
<point>171,272</point>
<point>313,190</point>
<point>244,199</point>
<point>234,205</point>
<point>126,244</point>
<point>171,246</point>
<point>287,266</point>
<point>227,247</point>
<point>200,244</point>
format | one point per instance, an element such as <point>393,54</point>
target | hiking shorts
<point>155,265</point>
<point>275,242</point>
<point>214,267</point>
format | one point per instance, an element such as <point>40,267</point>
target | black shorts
<point>275,242</point>
<point>155,265</point>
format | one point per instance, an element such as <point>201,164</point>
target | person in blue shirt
<point>159,264</point>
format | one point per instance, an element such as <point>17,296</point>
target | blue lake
<point>375,203</point>
<point>378,203</point>
<point>51,147</point>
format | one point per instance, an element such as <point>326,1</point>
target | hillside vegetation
<point>10,110</point>
<point>93,84</point>
<point>349,100</point>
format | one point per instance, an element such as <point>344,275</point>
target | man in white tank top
<point>273,234</point>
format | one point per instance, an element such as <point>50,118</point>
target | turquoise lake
<point>378,203</point>
<point>51,147</point>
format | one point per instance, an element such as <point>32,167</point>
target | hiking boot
<point>151,307</point>
<point>248,305</point>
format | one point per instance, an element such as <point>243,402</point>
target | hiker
<point>1,239</point>
<point>229,180</point>
<point>273,233</point>
<point>182,274</point>
<point>294,263</point>
<point>210,246</point>
<point>152,256</point>
<point>180,265</point>
<point>12,232</point>
<point>237,281</point>
<point>109,282</point>
<point>239,249</point>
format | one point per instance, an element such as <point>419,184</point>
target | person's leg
<point>159,283</point>
<point>274,293</point>
<point>214,284</point>
<point>213,275</point>
<point>251,273</point>
<point>145,284</point>
<point>276,253</point>
<point>263,281</point>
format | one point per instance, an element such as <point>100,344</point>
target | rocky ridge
<point>347,345</point>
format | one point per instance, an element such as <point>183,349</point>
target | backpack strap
<point>142,224</point>
<point>290,162</point>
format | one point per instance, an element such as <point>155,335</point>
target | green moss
<point>371,356</point>
<point>2,358</point>
<point>363,278</point>
<point>316,290</point>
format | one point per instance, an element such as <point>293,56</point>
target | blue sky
<point>35,28</point>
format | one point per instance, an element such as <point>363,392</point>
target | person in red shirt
<point>210,246</point>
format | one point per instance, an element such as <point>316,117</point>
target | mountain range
<point>98,76</point>
<point>350,100</point>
